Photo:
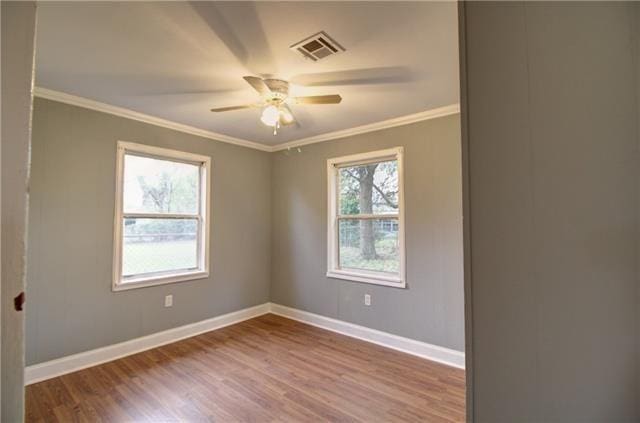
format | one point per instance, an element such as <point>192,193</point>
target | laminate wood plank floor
<point>265,369</point>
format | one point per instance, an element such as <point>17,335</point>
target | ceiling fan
<point>275,101</point>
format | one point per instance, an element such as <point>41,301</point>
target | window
<point>366,218</point>
<point>161,218</point>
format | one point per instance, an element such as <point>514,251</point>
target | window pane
<point>159,186</point>
<point>369,244</point>
<point>159,245</point>
<point>369,189</point>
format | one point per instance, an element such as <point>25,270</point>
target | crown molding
<point>329,136</point>
<point>141,117</point>
<point>377,126</point>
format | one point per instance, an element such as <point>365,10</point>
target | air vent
<point>317,46</point>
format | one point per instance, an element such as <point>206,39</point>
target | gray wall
<point>72,308</point>
<point>637,64</point>
<point>18,30</point>
<point>71,305</point>
<point>431,308</point>
<point>552,123</point>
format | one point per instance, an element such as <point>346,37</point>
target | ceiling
<point>177,60</point>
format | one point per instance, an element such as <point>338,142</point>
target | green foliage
<point>168,193</point>
<point>365,189</point>
<point>349,201</point>
<point>171,193</point>
<point>384,195</point>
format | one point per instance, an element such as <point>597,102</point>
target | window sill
<point>371,278</point>
<point>144,282</point>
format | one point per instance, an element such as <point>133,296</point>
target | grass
<point>387,260</point>
<point>146,257</point>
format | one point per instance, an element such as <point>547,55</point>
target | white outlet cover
<point>168,300</point>
<point>367,299</point>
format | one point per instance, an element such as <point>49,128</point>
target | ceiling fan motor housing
<point>279,90</point>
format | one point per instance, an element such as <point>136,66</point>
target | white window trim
<point>161,278</point>
<point>333,269</point>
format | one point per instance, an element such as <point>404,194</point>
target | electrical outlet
<point>168,300</point>
<point>367,299</point>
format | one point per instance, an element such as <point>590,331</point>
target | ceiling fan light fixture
<point>270,115</point>
<point>275,101</point>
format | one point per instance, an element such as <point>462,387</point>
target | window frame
<point>203,216</point>
<point>333,217</point>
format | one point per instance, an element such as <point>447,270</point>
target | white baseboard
<point>75,362</point>
<point>410,346</point>
<point>72,363</point>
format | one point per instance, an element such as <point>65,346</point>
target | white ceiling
<point>177,60</point>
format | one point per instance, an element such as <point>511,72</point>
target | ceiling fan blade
<point>364,76</point>
<point>247,42</point>
<point>257,84</point>
<point>287,117</point>
<point>192,93</point>
<point>319,99</point>
<point>230,108</point>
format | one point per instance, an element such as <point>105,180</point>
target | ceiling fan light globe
<point>270,115</point>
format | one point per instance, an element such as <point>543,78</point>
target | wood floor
<point>265,369</point>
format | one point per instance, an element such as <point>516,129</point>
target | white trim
<point>159,279</point>
<point>365,277</point>
<point>368,216</point>
<point>364,158</point>
<point>119,283</point>
<point>451,109</point>
<point>163,215</point>
<point>141,117</point>
<point>49,369</point>
<point>329,136</point>
<point>410,346</point>
<point>333,261</point>
<point>163,153</point>
<point>72,363</point>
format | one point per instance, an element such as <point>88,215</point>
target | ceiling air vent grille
<point>317,46</point>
